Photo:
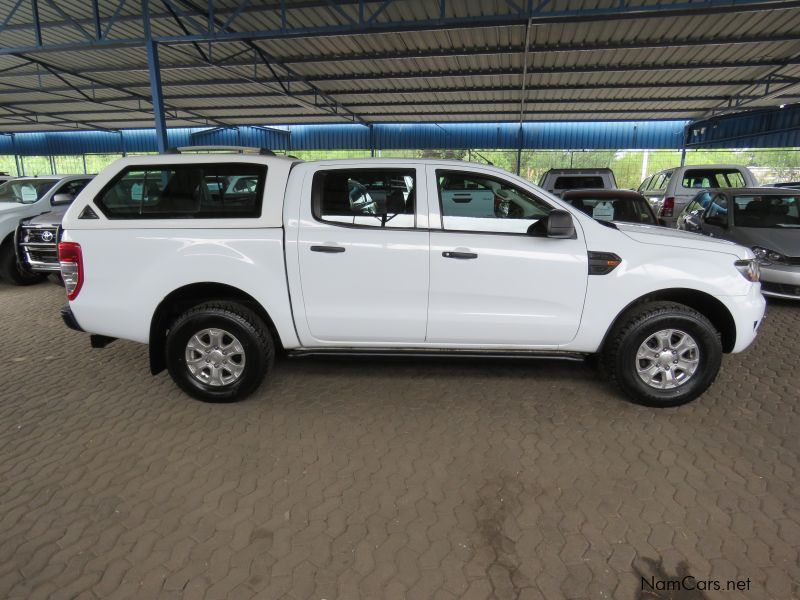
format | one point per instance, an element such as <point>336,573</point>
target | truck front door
<point>491,283</point>
<point>363,257</point>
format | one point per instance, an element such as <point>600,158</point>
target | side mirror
<point>62,199</point>
<point>558,224</point>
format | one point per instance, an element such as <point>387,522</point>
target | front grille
<point>780,288</point>
<point>793,260</point>
<point>39,245</point>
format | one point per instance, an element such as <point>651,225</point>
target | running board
<point>440,352</point>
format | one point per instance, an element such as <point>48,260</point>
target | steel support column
<point>154,71</point>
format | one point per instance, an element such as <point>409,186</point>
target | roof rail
<point>234,149</point>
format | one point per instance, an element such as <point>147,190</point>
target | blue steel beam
<point>156,91</point>
<point>625,9</point>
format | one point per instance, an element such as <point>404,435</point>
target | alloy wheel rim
<point>667,359</point>
<point>215,357</point>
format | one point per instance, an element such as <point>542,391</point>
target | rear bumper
<point>69,318</point>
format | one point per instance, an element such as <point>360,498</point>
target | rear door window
<point>365,197</point>
<point>660,180</point>
<point>186,191</point>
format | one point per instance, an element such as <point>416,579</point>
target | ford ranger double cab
<point>390,257</point>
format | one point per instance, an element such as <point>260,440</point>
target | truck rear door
<point>362,256</point>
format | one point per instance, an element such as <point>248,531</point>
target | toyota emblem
<point>47,236</point>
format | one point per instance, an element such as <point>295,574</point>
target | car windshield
<point>25,191</point>
<point>624,209</point>
<point>766,211</point>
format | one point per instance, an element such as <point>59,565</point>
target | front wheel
<point>663,354</point>
<point>219,351</point>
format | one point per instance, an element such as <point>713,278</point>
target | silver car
<point>765,219</point>
<point>669,191</point>
<point>23,197</point>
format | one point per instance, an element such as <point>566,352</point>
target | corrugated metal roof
<point>586,60</point>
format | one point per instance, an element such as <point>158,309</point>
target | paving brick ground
<point>386,479</point>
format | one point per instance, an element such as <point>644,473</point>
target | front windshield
<point>25,191</point>
<point>766,211</point>
<point>626,210</point>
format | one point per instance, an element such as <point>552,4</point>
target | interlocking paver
<point>394,479</point>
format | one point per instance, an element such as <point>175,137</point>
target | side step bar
<point>438,352</point>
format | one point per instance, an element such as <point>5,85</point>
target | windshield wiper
<point>607,223</point>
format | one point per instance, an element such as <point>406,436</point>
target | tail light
<point>71,261</point>
<point>667,208</point>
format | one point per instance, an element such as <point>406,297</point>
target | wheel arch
<point>704,303</point>
<point>184,298</point>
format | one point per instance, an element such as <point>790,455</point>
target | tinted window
<point>473,202</point>
<point>660,180</point>
<point>712,178</point>
<point>191,191</point>
<point>578,182</point>
<point>73,188</point>
<point>645,185</point>
<point>627,209</point>
<point>365,197</point>
<point>767,211</point>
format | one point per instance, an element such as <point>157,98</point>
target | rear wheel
<point>663,354</point>
<point>12,271</point>
<point>219,351</point>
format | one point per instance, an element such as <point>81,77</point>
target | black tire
<point>248,328</point>
<point>618,359</point>
<point>14,273</point>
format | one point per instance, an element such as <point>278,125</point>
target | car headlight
<point>766,256</point>
<point>749,269</point>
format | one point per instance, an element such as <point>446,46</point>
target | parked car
<point>625,206</point>
<point>23,197</point>
<point>669,191</point>
<point>301,266</point>
<point>766,220</point>
<point>557,181</point>
<point>37,241</point>
<point>4,177</point>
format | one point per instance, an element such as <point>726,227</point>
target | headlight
<point>749,269</point>
<point>766,256</point>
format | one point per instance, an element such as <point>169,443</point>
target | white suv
<point>24,197</point>
<point>387,256</point>
<point>670,190</point>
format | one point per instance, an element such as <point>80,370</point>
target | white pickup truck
<point>384,256</point>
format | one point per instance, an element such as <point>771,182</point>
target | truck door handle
<point>329,249</point>
<point>461,255</point>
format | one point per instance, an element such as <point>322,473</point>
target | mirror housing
<point>558,224</point>
<point>62,198</point>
